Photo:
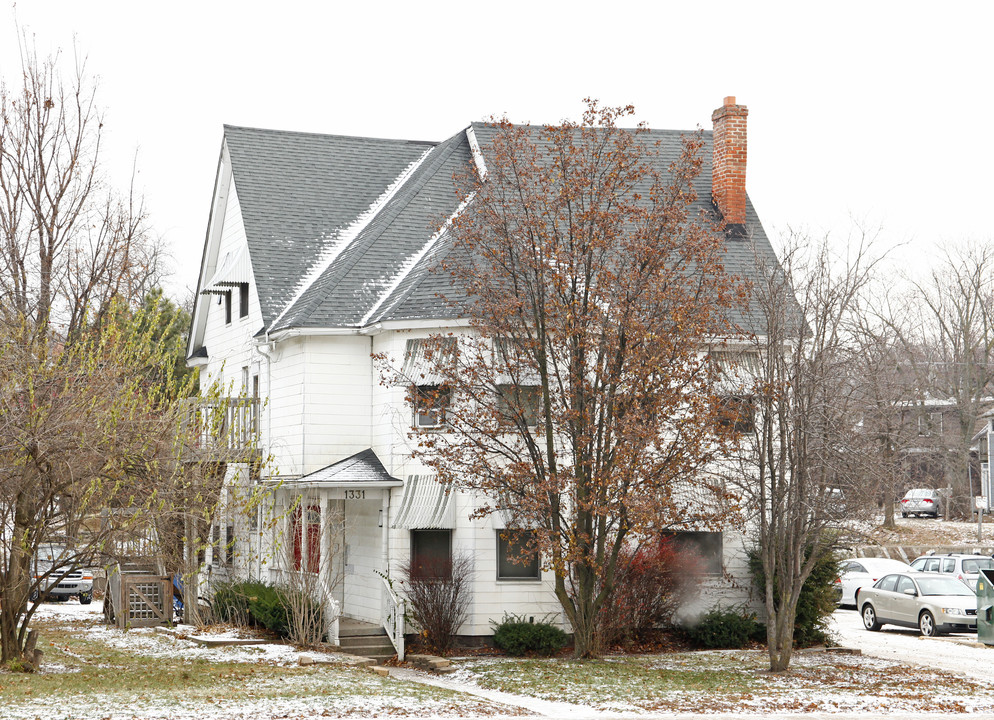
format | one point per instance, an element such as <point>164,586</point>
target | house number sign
<point>355,494</point>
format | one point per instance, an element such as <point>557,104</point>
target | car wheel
<point>34,596</point>
<point>926,624</point>
<point>85,598</point>
<point>870,618</point>
<point>904,515</point>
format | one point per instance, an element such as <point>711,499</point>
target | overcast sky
<point>878,111</point>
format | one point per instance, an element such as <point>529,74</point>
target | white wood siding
<point>230,345</point>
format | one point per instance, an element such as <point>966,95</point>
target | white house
<point>316,258</point>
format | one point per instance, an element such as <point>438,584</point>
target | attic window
<point>243,300</point>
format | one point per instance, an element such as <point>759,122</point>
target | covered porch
<point>335,530</point>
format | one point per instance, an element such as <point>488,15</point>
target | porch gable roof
<point>363,468</point>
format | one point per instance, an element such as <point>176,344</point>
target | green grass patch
<point>88,678</point>
<point>633,681</point>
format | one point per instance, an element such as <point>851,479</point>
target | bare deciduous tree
<point>948,337</point>
<point>84,429</point>
<point>808,447</point>
<point>68,244</point>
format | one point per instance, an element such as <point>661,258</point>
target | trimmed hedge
<point>726,629</point>
<point>516,637</point>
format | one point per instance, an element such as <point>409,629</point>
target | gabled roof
<point>362,468</point>
<point>301,194</point>
<point>343,232</point>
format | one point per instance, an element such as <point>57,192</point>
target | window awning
<point>426,505</point>
<point>739,370</point>
<point>512,364</point>
<point>234,270</point>
<point>424,356</point>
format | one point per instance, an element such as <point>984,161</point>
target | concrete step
<point>377,646</point>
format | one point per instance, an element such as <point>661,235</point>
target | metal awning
<point>234,270</point>
<point>739,370</point>
<point>426,505</point>
<point>424,356</point>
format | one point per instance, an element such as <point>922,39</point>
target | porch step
<point>378,648</point>
<point>364,639</point>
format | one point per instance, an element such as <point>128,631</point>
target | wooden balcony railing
<point>224,429</point>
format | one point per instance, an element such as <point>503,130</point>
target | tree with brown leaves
<point>581,403</point>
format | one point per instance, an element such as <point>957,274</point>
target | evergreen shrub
<point>515,636</point>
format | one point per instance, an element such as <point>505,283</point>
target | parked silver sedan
<point>932,603</point>
<point>922,501</point>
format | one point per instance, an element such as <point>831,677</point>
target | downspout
<point>266,350</point>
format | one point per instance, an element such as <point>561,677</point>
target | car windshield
<point>942,586</point>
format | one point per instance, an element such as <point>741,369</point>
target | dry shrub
<point>438,598</point>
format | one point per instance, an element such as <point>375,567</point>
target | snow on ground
<point>958,653</point>
<point>789,694</point>
<point>88,619</point>
<point>932,533</point>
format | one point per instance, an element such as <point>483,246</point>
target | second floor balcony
<point>223,429</point>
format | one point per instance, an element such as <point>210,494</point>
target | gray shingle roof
<point>299,191</point>
<point>301,194</point>
<point>363,467</point>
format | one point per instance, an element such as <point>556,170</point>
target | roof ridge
<point>305,133</point>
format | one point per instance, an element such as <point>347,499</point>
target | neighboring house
<point>318,255</point>
<point>980,460</point>
<point>933,442</point>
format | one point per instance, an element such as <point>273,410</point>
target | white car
<point>963,567</point>
<point>57,579</point>
<point>863,572</point>
<point>932,603</point>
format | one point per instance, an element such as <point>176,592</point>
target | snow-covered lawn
<point>736,682</point>
<point>91,671</point>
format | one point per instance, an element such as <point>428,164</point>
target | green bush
<point>515,636</point>
<point>815,604</point>
<point>731,629</point>
<point>258,604</point>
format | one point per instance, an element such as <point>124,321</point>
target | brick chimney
<point>728,174</point>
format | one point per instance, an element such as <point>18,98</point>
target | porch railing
<point>223,428</point>
<point>392,611</point>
